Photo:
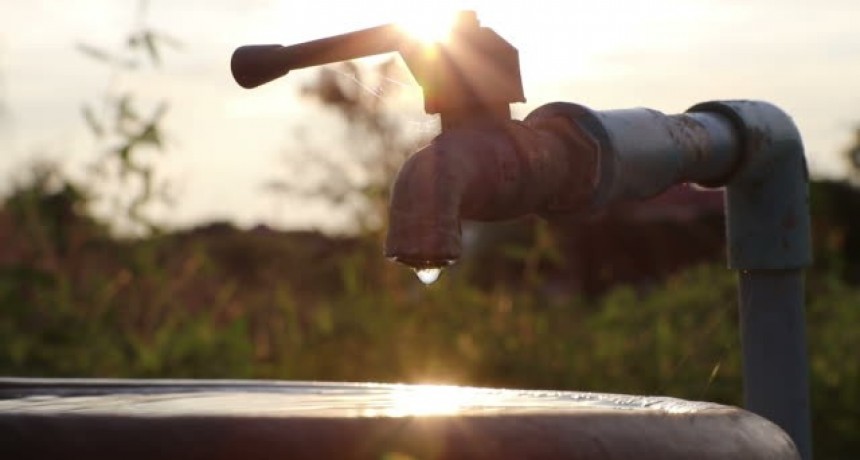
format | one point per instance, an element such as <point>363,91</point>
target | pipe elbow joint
<point>768,223</point>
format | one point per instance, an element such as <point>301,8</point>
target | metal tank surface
<point>251,420</point>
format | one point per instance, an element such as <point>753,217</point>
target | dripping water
<point>428,275</point>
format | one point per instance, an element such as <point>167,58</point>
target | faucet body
<point>486,172</point>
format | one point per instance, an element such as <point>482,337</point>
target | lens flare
<point>429,26</point>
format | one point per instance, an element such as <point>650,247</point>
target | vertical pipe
<point>768,235</point>
<point>773,336</point>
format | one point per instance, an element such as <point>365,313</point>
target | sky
<point>224,142</point>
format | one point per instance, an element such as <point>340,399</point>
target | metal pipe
<point>775,370</point>
<point>643,152</point>
<point>769,243</point>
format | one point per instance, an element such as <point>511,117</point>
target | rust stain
<point>757,138</point>
<point>693,136</point>
<point>789,222</point>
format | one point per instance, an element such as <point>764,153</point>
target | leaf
<point>150,136</point>
<point>124,154</point>
<point>101,55</point>
<point>125,111</point>
<point>151,133</point>
<point>152,49</point>
<point>92,121</point>
<point>276,186</point>
<point>712,377</point>
<point>95,53</point>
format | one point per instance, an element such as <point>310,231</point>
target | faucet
<point>561,159</point>
<point>485,171</point>
<point>564,159</point>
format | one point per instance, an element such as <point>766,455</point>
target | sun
<point>429,24</point>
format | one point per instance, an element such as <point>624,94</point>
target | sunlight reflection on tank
<point>430,400</point>
<point>318,399</point>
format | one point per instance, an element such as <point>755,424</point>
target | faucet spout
<point>495,171</point>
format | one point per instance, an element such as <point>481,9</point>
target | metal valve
<point>474,75</point>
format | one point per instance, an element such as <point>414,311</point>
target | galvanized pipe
<point>654,151</point>
<point>768,234</point>
<point>643,152</point>
<point>775,370</point>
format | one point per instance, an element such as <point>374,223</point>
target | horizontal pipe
<point>653,151</point>
<point>643,152</point>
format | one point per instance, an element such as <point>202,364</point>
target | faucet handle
<point>474,74</point>
<point>254,65</point>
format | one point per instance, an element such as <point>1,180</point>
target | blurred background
<point>156,220</point>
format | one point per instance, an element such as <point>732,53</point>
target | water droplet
<point>428,275</point>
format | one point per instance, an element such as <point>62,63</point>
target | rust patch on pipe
<point>757,138</point>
